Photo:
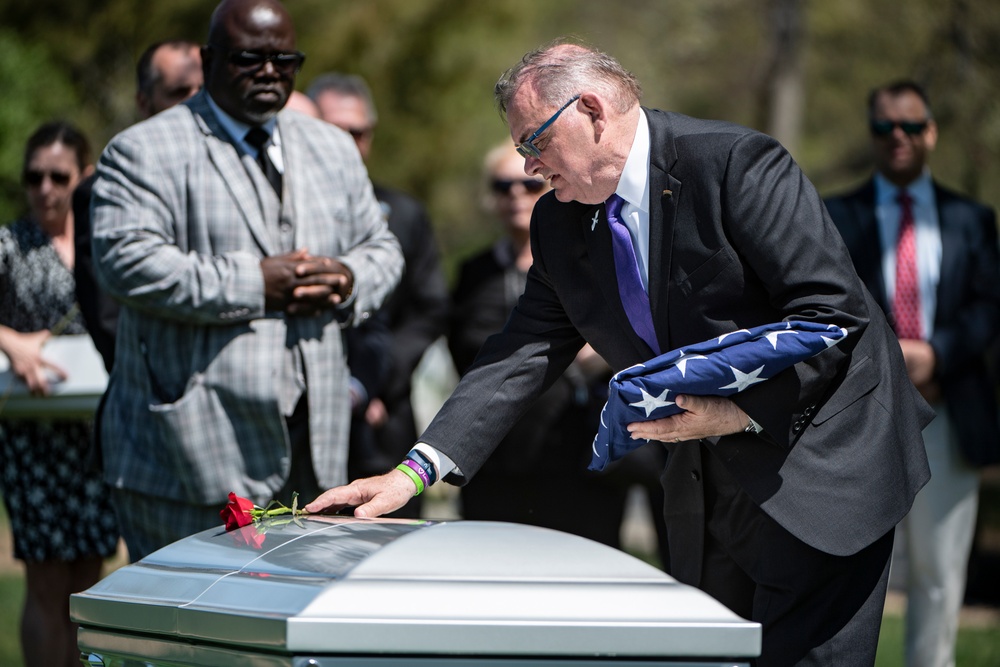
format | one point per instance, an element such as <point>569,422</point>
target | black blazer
<point>967,318</point>
<point>738,238</point>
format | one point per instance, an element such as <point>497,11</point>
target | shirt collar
<point>238,129</point>
<point>920,189</point>
<point>633,186</point>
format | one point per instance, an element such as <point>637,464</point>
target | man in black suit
<point>780,502</point>
<point>417,312</point>
<point>941,294</point>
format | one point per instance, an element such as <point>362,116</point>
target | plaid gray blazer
<point>181,220</point>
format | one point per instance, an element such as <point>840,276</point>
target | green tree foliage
<point>432,65</point>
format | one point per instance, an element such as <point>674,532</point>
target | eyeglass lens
<point>35,178</point>
<point>884,128</point>
<point>285,62</point>
<point>503,187</point>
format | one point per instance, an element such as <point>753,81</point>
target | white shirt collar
<point>633,186</point>
<point>238,129</point>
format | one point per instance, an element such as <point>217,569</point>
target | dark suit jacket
<point>967,318</point>
<point>738,238</point>
<point>100,311</point>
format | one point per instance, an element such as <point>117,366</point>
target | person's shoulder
<point>856,192</point>
<point>401,205</point>
<point>945,194</point>
<point>682,125</point>
<point>170,129</point>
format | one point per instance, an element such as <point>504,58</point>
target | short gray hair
<point>561,69</point>
<point>348,85</point>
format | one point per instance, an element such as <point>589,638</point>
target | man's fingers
<point>371,497</point>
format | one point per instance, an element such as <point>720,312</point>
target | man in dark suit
<point>940,293</point>
<point>780,502</point>
<point>417,312</point>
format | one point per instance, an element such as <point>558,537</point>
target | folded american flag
<point>721,366</point>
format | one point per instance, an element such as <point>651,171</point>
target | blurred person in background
<point>417,312</point>
<point>538,474</point>
<point>62,522</point>
<point>168,72</point>
<point>929,256</point>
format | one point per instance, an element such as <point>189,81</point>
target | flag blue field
<point>721,366</point>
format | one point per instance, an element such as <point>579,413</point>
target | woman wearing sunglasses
<point>531,478</point>
<point>62,526</point>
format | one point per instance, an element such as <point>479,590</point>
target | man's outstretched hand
<point>370,497</point>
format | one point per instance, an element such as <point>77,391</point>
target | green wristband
<point>402,467</point>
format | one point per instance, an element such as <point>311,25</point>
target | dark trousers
<point>815,608</point>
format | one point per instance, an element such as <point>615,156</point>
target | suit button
<point>796,427</point>
<point>695,476</point>
<point>809,411</point>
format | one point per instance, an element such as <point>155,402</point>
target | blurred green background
<point>797,69</point>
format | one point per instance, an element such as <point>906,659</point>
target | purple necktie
<point>634,297</point>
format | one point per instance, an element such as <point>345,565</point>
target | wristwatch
<point>752,426</point>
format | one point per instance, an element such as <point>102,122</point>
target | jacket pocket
<point>199,442</point>
<point>859,382</point>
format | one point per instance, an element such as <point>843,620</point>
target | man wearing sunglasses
<point>239,240</point>
<point>930,258</point>
<point>781,501</point>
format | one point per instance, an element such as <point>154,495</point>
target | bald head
<point>250,61</point>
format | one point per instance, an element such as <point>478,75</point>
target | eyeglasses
<point>34,177</point>
<point>503,187</point>
<point>883,128</point>
<point>527,148</point>
<point>284,62</point>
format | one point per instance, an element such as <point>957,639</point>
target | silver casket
<point>338,591</point>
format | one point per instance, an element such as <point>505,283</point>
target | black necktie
<point>259,138</point>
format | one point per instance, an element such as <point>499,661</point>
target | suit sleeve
<point>137,256</point>
<point>964,337</point>
<point>781,230</point>
<point>511,370</point>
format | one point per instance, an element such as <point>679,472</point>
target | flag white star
<point>773,336</point>
<point>727,335</point>
<point>744,380</point>
<point>650,403</point>
<point>681,364</point>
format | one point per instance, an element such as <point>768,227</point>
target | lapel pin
<point>593,223</point>
<point>668,193</point>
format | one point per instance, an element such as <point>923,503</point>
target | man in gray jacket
<point>239,241</point>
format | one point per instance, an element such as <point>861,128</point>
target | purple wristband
<point>417,468</point>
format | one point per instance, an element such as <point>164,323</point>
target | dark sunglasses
<point>883,128</point>
<point>284,62</point>
<point>35,178</point>
<point>503,187</point>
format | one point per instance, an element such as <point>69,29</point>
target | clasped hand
<point>301,284</point>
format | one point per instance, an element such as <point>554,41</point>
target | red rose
<point>237,513</point>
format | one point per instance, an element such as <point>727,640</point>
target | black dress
<point>59,510</point>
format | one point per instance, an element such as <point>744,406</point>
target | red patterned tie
<point>906,305</point>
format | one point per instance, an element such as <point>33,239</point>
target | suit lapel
<point>227,160</point>
<point>952,242</point>
<point>595,230</point>
<point>869,261</point>
<point>664,193</point>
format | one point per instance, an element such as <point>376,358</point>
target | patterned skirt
<point>58,508</point>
